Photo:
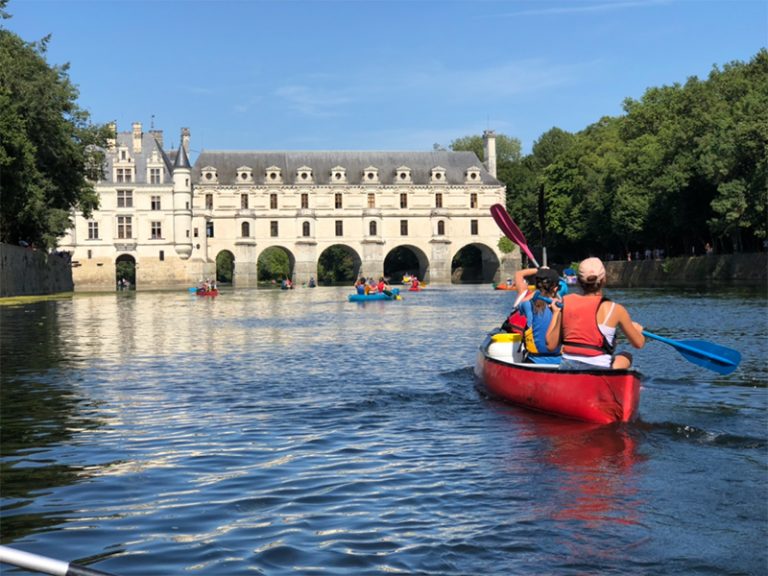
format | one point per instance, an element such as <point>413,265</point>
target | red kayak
<point>598,396</point>
<point>504,287</point>
<point>204,292</point>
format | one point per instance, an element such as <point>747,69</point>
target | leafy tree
<point>507,148</point>
<point>273,264</point>
<point>225,266</point>
<point>49,153</point>
<point>336,265</point>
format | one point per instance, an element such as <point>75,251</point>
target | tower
<point>182,200</point>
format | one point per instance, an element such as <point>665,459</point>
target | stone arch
<point>406,259</point>
<point>275,263</point>
<point>338,264</point>
<point>474,263</point>
<point>125,272</point>
<point>225,266</point>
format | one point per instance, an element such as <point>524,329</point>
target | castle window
<point>154,175</point>
<point>337,200</point>
<point>124,227</point>
<point>438,174</point>
<point>404,200</point>
<point>339,228</point>
<point>473,227</point>
<point>162,255</point>
<point>125,198</point>
<point>244,201</point>
<point>124,174</point>
<point>403,227</point>
<point>440,228</point>
<point>372,228</point>
<point>304,200</point>
<point>209,201</point>
<point>439,200</point>
<point>473,200</point>
<point>209,229</point>
<point>371,200</point>
<point>245,229</point>
<point>90,254</point>
<point>305,229</point>
<point>273,201</point>
<point>156,230</point>
<point>93,230</point>
<point>273,228</point>
<point>154,203</point>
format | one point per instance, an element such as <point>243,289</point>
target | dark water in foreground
<point>271,432</point>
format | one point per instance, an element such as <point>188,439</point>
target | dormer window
<point>338,175</point>
<point>371,175</point>
<point>403,175</point>
<point>304,175</point>
<point>210,176</point>
<point>273,175</point>
<point>438,175</point>
<point>472,175</point>
<point>244,175</point>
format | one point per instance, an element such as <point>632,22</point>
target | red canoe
<point>204,292</point>
<point>599,396</point>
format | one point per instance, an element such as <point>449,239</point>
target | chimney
<point>185,139</point>
<point>158,136</point>
<point>137,137</point>
<point>112,140</point>
<point>489,141</point>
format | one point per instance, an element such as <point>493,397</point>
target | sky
<point>375,74</point>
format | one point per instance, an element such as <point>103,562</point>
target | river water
<point>292,432</point>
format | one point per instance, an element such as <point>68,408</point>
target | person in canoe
<point>534,316</point>
<point>360,285</point>
<point>585,326</point>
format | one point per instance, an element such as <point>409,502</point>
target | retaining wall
<point>30,272</point>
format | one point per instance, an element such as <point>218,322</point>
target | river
<point>292,432</point>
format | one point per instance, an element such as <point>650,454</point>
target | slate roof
<point>421,164</point>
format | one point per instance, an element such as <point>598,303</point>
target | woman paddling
<point>537,315</point>
<point>586,325</point>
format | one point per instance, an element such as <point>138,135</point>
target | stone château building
<point>172,219</point>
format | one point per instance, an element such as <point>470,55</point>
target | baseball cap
<point>548,274</point>
<point>591,270</point>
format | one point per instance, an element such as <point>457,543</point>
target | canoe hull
<point>598,396</point>
<point>373,297</point>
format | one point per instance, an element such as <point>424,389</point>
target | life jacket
<point>535,334</point>
<point>515,323</point>
<point>580,333</point>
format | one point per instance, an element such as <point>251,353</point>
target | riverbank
<point>711,270</point>
<point>25,271</point>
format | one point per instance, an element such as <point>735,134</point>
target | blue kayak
<point>377,296</point>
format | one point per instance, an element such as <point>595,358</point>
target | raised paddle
<point>700,352</point>
<point>511,230</point>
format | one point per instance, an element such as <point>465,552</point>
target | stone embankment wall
<point>29,272</point>
<point>712,270</point>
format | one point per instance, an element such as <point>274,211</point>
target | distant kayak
<point>394,294</point>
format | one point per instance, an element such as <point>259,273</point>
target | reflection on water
<point>293,432</point>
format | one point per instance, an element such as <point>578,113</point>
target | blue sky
<point>379,75</point>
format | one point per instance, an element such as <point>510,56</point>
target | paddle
<point>511,230</point>
<point>45,565</point>
<point>700,352</point>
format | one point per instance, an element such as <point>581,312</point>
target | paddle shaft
<point>38,563</point>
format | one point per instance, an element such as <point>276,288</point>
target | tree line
<point>684,167</point>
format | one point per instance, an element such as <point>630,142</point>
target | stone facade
<point>172,219</point>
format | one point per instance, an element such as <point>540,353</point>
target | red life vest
<point>581,336</point>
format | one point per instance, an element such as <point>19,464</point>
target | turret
<point>182,200</point>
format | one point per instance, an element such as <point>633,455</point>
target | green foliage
<point>48,150</point>
<point>507,148</point>
<point>686,164</point>
<point>273,264</point>
<point>336,266</point>
<point>506,246</point>
<point>225,266</point>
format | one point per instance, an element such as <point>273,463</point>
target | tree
<point>507,148</point>
<point>49,153</point>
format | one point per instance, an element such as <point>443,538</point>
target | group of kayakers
<point>206,285</point>
<point>371,286</point>
<point>576,331</point>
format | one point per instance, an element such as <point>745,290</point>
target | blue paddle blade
<point>711,356</point>
<point>702,353</point>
